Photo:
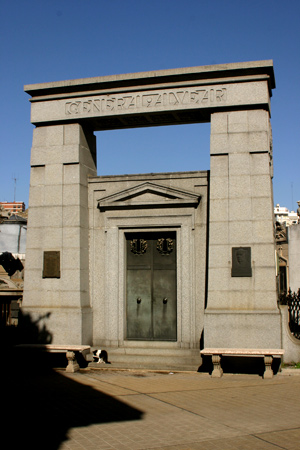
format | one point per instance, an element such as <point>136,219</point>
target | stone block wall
<point>61,160</point>
<point>241,215</point>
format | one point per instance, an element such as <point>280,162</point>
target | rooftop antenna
<point>15,186</point>
<point>292,188</point>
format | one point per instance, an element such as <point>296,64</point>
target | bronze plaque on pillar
<point>51,264</point>
<point>241,262</point>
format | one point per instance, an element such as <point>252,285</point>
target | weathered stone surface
<point>242,329</point>
<point>188,89</point>
<point>246,191</point>
<point>57,203</point>
<point>108,227</point>
<point>85,217</point>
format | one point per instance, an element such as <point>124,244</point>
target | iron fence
<point>292,299</point>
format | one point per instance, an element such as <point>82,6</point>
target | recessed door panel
<point>139,304</point>
<point>151,286</point>
<point>164,305</point>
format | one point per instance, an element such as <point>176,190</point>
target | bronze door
<point>151,286</point>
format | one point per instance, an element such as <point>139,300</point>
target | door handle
<point>165,300</point>
<point>138,300</point>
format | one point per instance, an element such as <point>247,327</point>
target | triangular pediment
<point>149,195</point>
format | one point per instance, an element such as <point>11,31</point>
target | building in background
<point>284,216</point>
<point>13,229</point>
<point>287,248</point>
<point>13,207</point>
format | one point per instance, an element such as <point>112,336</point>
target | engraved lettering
<point>120,103</point>
<point>172,95</point>
<point>86,106</point>
<point>158,100</point>
<point>73,107</point>
<point>97,105</point>
<point>205,97</point>
<point>67,108</point>
<point>194,97</point>
<point>201,95</point>
<point>110,104</point>
<point>130,101</point>
<point>220,94</point>
<point>105,104</point>
<point>183,96</point>
<point>147,100</point>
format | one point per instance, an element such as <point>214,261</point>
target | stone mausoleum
<point>154,264</point>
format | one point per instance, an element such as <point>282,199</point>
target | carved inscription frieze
<point>147,101</point>
<point>150,104</point>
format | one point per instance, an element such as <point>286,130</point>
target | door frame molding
<point>108,246</point>
<point>115,262</point>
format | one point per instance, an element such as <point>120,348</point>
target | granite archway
<point>75,215</point>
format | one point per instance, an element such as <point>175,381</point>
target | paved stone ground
<point>131,410</point>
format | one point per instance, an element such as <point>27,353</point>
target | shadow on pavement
<point>240,365</point>
<point>41,405</point>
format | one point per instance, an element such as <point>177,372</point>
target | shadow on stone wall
<point>26,332</point>
<point>41,404</point>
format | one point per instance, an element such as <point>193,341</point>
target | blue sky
<point>52,40</point>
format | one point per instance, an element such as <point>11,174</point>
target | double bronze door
<point>151,286</point>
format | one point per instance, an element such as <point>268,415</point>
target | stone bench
<point>217,353</point>
<point>71,351</point>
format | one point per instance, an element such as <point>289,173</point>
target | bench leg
<point>217,370</point>
<point>73,365</point>
<point>268,369</point>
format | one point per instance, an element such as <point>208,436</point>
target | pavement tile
<point>139,410</point>
<point>287,439</point>
<point>186,411</point>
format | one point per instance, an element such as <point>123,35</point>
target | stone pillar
<point>241,310</point>
<point>56,290</point>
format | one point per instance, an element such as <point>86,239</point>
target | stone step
<point>146,367</point>
<point>150,358</point>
